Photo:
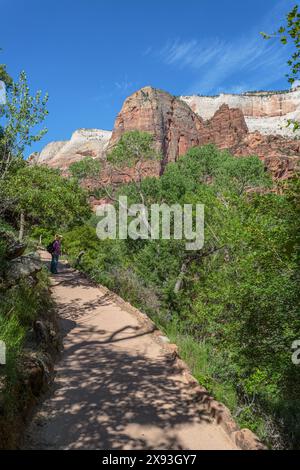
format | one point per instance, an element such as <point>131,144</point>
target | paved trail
<point>115,386</point>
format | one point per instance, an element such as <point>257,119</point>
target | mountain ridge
<point>179,123</point>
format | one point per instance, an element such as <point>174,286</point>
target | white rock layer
<point>83,143</point>
<point>265,112</point>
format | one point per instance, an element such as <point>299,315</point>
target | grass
<point>19,307</point>
<point>215,371</point>
<point>204,363</point>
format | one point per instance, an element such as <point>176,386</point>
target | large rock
<point>83,143</point>
<point>266,112</point>
<point>173,124</point>
<point>14,248</point>
<point>280,155</point>
<point>175,127</point>
<point>21,268</point>
<point>227,126</point>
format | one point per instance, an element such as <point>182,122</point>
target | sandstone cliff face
<point>173,124</point>
<point>280,155</point>
<point>265,112</point>
<point>83,143</point>
<point>227,127</point>
<point>175,127</point>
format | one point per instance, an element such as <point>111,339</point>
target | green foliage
<point>22,113</point>
<point>237,313</point>
<point>133,147</point>
<point>19,307</point>
<point>290,33</point>
<point>5,77</point>
<point>47,199</point>
<point>87,168</point>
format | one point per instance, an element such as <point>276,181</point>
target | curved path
<point>115,386</point>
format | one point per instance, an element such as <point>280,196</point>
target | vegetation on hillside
<point>88,167</point>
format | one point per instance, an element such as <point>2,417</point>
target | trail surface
<point>115,386</point>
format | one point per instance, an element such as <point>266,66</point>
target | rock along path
<point>115,385</point>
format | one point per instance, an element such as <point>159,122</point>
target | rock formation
<point>176,128</point>
<point>172,123</point>
<point>280,155</point>
<point>83,143</point>
<point>265,112</point>
<point>227,127</point>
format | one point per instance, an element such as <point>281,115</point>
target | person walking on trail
<point>55,253</point>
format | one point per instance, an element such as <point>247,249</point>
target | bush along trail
<point>120,385</point>
<point>29,331</point>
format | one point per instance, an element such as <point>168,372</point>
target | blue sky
<point>90,54</point>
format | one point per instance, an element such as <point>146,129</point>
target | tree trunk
<point>22,226</point>
<point>180,277</point>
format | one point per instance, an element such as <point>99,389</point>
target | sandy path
<point>115,387</point>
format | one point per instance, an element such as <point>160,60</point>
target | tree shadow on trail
<point>109,394</point>
<point>107,398</point>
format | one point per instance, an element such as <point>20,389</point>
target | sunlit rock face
<point>265,112</point>
<point>174,125</point>
<point>246,124</point>
<point>83,143</point>
<point>280,155</point>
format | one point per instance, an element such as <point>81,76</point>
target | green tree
<point>131,154</point>
<point>87,168</point>
<point>21,114</point>
<point>45,199</point>
<point>5,77</point>
<point>289,33</point>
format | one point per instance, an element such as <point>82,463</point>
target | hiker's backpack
<point>50,248</point>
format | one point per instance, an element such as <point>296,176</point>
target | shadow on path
<point>115,386</point>
<point>107,399</point>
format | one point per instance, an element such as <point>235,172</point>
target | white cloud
<point>147,51</point>
<point>189,53</point>
<point>243,63</point>
<point>252,60</point>
<point>121,88</point>
<point>124,85</point>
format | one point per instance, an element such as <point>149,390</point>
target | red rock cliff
<point>175,127</point>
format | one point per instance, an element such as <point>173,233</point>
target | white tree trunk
<point>22,226</point>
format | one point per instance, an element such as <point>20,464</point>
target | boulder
<point>22,267</point>
<point>14,248</point>
<point>247,440</point>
